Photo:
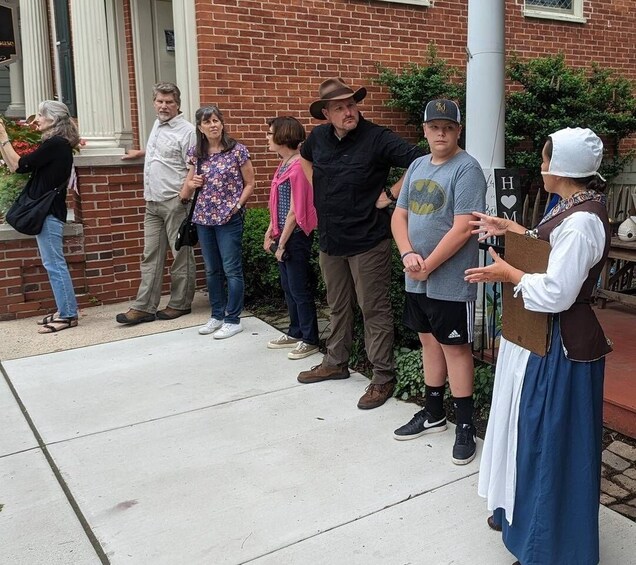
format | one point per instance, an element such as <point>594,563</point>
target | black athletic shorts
<point>451,323</point>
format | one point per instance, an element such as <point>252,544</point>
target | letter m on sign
<point>508,194</point>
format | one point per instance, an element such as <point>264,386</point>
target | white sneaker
<point>302,350</point>
<point>283,341</point>
<point>212,325</point>
<point>227,330</point>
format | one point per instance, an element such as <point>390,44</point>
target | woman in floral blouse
<point>222,168</point>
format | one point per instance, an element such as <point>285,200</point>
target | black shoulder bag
<point>27,214</point>
<point>187,234</point>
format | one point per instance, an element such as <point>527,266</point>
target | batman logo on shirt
<point>426,196</point>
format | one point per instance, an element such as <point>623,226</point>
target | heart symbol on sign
<point>509,201</point>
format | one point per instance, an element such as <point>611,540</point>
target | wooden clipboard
<point>530,330</point>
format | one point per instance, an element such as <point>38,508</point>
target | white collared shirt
<point>165,166</point>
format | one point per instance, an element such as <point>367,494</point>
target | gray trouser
<point>365,277</point>
<point>161,223</point>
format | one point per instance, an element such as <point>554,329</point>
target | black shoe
<point>465,447</point>
<point>420,424</point>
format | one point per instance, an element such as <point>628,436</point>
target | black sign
<point>8,35</point>
<point>508,194</point>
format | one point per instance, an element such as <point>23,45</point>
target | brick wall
<point>258,59</point>
<point>103,248</point>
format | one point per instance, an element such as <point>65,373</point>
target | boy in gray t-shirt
<point>432,231</point>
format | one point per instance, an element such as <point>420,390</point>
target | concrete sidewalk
<point>174,448</point>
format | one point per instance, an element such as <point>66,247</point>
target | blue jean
<point>295,278</point>
<point>50,243</point>
<point>222,248</point>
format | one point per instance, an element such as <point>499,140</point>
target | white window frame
<point>575,15</point>
<point>412,2</point>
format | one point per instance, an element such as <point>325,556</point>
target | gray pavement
<point>155,445</point>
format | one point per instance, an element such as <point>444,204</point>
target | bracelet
<point>389,194</point>
<point>407,253</point>
<point>5,142</point>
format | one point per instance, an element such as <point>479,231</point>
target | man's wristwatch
<point>389,194</point>
<point>238,205</point>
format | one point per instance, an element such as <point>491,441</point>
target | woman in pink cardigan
<point>290,235</point>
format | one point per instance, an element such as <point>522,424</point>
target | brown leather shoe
<point>172,313</point>
<point>323,373</point>
<point>493,525</point>
<point>133,317</point>
<point>376,395</point>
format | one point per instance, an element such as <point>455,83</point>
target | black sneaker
<point>419,425</point>
<point>465,447</point>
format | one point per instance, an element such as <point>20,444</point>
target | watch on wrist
<point>389,194</point>
<point>5,142</point>
<point>238,205</point>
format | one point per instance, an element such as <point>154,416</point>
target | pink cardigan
<point>302,195</point>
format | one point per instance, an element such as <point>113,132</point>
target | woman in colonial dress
<point>541,463</point>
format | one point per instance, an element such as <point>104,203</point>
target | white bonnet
<point>576,153</point>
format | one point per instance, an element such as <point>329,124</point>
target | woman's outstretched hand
<point>489,226</point>
<point>497,271</point>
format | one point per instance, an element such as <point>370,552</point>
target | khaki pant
<point>161,223</point>
<point>366,278</point>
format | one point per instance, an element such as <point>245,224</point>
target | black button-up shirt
<point>349,175</point>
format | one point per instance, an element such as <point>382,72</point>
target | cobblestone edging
<point>618,482</point>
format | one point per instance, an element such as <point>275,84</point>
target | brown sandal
<point>57,325</point>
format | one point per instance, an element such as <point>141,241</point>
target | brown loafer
<point>376,395</point>
<point>172,313</point>
<point>493,525</point>
<point>323,373</point>
<point>133,317</point>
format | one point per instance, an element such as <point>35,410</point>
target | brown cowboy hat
<point>333,89</point>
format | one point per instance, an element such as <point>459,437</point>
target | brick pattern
<point>264,58</point>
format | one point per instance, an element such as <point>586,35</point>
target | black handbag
<point>187,234</point>
<point>27,214</point>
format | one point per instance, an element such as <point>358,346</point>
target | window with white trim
<point>567,10</point>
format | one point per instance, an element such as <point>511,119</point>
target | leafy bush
<point>24,140</point>
<point>415,85</point>
<point>410,380</point>
<point>555,96</point>
<point>409,374</point>
<point>11,184</point>
<point>551,96</point>
<point>262,280</point>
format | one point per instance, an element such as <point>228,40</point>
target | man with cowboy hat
<point>348,159</point>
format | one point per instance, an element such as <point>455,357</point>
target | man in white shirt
<point>164,173</point>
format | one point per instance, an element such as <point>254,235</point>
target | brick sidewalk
<point>618,485</point>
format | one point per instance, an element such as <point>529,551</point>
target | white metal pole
<point>485,100</point>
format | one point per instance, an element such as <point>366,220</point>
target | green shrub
<point>410,380</point>
<point>416,84</point>
<point>11,184</point>
<point>262,280</point>
<point>554,96</point>
<point>260,271</point>
<point>409,374</point>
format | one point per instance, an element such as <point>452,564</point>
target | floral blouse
<point>222,184</point>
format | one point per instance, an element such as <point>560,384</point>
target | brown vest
<point>582,336</point>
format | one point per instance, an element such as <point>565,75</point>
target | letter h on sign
<point>508,194</point>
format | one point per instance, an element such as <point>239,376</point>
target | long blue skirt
<point>558,461</point>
